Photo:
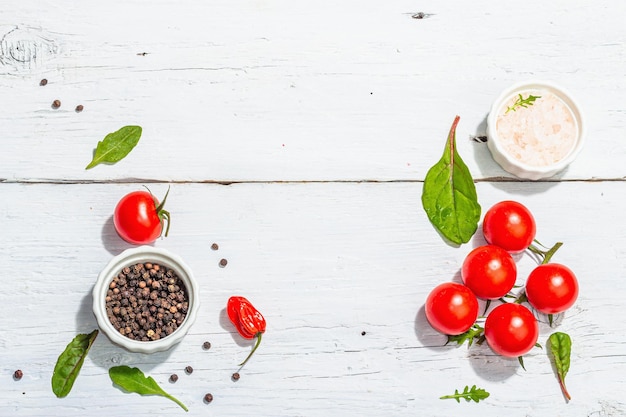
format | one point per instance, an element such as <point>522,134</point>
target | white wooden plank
<point>276,90</point>
<point>324,263</point>
<point>264,92</point>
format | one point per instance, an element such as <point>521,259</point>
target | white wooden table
<point>297,135</point>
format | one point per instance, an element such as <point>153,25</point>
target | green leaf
<point>522,102</point>
<point>69,363</point>
<point>468,394</point>
<point>115,146</point>
<point>133,380</point>
<point>560,345</point>
<point>449,195</point>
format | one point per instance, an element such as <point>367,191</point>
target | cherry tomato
<point>551,288</point>
<point>451,308</point>
<point>489,271</point>
<point>510,225</point>
<point>511,330</point>
<point>139,218</point>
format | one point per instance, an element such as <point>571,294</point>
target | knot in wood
<point>22,49</point>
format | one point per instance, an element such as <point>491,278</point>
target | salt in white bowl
<point>539,140</point>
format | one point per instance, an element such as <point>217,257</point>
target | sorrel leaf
<point>69,363</point>
<point>449,194</point>
<point>115,146</point>
<point>561,347</point>
<point>133,380</point>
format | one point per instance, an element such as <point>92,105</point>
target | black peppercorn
<point>43,82</point>
<point>215,246</point>
<point>188,369</point>
<point>56,104</point>
<point>17,375</point>
<point>173,378</point>
<point>139,309</point>
<point>79,108</point>
<point>206,345</point>
<point>223,262</point>
<point>208,398</point>
<point>236,376</point>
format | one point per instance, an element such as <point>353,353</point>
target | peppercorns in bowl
<point>145,299</point>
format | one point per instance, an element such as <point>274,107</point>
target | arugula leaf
<point>133,380</point>
<point>468,394</point>
<point>115,146</point>
<point>561,347</point>
<point>522,102</point>
<point>70,362</point>
<point>449,194</point>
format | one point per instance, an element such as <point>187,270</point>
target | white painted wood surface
<point>296,135</point>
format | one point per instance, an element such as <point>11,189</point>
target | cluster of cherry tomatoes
<point>489,273</point>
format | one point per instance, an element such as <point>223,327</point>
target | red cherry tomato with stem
<point>511,330</point>
<point>451,308</point>
<point>551,288</point>
<point>510,225</point>
<point>139,218</point>
<point>489,271</point>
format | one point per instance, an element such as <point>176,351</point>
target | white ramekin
<point>520,168</point>
<point>129,257</point>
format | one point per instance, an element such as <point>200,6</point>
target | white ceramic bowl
<point>130,257</point>
<point>520,165</point>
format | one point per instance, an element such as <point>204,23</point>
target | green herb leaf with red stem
<point>449,194</point>
<point>561,347</point>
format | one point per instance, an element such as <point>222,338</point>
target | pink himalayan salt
<point>539,135</point>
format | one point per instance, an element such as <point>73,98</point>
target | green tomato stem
<point>546,256</point>
<point>163,214</point>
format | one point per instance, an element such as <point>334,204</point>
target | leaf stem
<point>564,389</point>
<point>177,401</point>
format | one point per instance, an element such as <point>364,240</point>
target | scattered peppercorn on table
<point>295,140</point>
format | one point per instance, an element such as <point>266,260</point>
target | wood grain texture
<point>256,90</point>
<point>324,263</point>
<point>297,136</point>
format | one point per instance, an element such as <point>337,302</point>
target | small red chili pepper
<point>248,321</point>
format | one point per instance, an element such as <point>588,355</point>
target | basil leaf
<point>133,380</point>
<point>449,194</point>
<point>115,146</point>
<point>69,363</point>
<point>561,347</point>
